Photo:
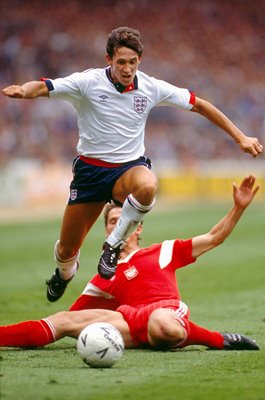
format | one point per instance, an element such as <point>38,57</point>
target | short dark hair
<point>124,37</point>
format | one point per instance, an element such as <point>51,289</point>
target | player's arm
<point>86,302</point>
<point>95,295</point>
<point>243,196</point>
<point>247,144</point>
<point>29,90</point>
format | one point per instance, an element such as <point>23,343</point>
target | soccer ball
<point>100,345</point>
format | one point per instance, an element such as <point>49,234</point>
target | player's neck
<point>128,249</point>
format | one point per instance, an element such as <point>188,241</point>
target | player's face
<point>113,216</point>
<point>124,65</point>
<point>112,219</point>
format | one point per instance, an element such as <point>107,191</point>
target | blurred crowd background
<point>215,48</point>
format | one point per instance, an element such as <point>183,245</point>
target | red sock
<point>26,334</point>
<point>201,336</point>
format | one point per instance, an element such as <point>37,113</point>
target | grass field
<point>225,290</point>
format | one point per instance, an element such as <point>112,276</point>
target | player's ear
<point>108,59</point>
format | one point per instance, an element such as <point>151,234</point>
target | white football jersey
<point>112,123</point>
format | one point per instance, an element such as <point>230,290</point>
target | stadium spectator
<point>144,293</point>
<point>113,104</point>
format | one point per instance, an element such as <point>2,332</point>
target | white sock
<point>67,268</point>
<point>132,213</point>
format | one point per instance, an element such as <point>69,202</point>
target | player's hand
<point>14,91</point>
<point>244,194</point>
<point>251,145</point>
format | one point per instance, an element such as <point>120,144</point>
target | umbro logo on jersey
<point>140,103</point>
<point>103,98</point>
<point>131,272</point>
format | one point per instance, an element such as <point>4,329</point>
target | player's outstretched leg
<point>132,214</point>
<point>56,286</point>
<point>28,334</point>
<point>63,274</point>
<point>217,340</point>
<point>108,260</point>
<point>234,341</point>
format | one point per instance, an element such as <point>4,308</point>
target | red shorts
<point>137,317</point>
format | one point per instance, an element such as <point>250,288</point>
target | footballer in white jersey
<point>111,118</point>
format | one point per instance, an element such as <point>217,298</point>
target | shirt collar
<point>126,259</point>
<point>119,87</point>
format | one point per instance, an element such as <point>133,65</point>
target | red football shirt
<point>145,276</point>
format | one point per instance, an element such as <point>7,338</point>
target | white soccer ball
<point>100,345</point>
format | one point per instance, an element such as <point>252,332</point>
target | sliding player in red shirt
<point>144,293</point>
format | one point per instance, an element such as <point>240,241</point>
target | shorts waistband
<point>100,163</point>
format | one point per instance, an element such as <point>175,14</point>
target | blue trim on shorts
<point>94,184</point>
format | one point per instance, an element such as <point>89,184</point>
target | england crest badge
<point>140,104</point>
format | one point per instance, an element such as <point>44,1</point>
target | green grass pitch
<point>225,291</point>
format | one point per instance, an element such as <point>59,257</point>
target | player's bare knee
<point>145,194</point>
<point>164,331</point>
<point>158,326</point>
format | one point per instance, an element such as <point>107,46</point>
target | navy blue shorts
<point>93,183</point>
